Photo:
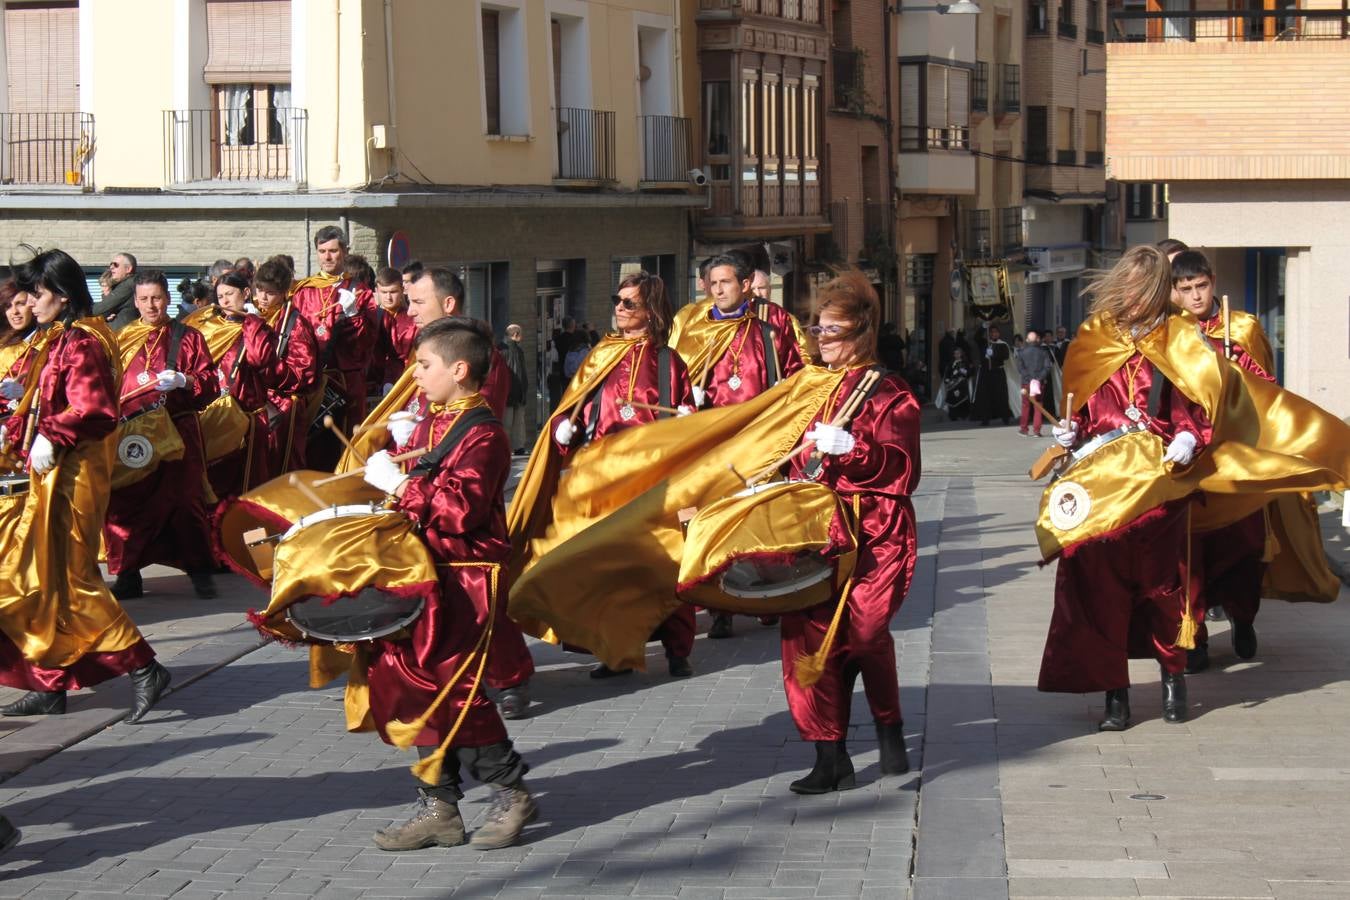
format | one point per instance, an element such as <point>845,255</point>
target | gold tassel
<point>1189,626</point>
<point>808,667</point>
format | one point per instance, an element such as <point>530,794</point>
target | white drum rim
<point>801,582</point>
<point>340,511</point>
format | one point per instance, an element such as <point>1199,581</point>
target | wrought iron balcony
<point>1156,26</point>
<point>47,148</point>
<point>585,145</point>
<point>665,148</point>
<point>227,146</point>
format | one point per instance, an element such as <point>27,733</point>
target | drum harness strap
<point>814,465</point>
<point>771,373</point>
<point>431,461</point>
<point>176,331</point>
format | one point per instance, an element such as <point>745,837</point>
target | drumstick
<point>370,426</point>
<point>844,415</point>
<point>708,367</point>
<point>143,389</point>
<point>400,457</point>
<point>332,426</point>
<point>1036,403</point>
<point>1227,331</point>
<point>305,489</point>
<point>654,408</point>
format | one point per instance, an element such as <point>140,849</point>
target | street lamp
<point>959,8</point>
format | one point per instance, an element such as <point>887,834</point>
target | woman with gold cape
<point>60,627</point>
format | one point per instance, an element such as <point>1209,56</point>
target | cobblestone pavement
<point>244,784</point>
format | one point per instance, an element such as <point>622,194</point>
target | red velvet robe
<point>346,345</point>
<point>880,473</point>
<point>509,661</point>
<point>18,371</point>
<point>745,358</point>
<point>462,516</point>
<point>247,467</point>
<point>1231,557</point>
<point>78,397</point>
<point>393,346</point>
<point>601,416</point>
<point>162,519</point>
<point>291,384</point>
<point>1121,597</point>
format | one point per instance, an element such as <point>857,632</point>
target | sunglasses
<point>624,302</point>
<point>822,330</point>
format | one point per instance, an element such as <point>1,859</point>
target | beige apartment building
<point>1233,112</point>
<point>1064,118</point>
<point>540,146</point>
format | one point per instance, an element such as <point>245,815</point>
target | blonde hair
<point>1136,291</point>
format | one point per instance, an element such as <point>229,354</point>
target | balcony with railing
<point>846,69</point>
<point>666,154</point>
<point>840,233</point>
<point>807,11</point>
<point>979,89</point>
<point>1009,90</point>
<point>1225,70</point>
<point>1010,229</point>
<point>226,147</point>
<point>1066,30</point>
<point>47,150</point>
<point>586,152</point>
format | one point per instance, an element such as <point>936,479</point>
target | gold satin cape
<point>54,604</point>
<point>702,340</point>
<point>597,548</point>
<point>1266,441</point>
<point>372,437</point>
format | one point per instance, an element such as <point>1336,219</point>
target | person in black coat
<point>991,385</point>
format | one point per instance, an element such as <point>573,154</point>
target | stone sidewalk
<point>245,785</point>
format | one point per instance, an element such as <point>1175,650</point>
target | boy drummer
<point>454,493</point>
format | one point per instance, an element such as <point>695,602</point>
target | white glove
<point>169,380</point>
<point>384,391</point>
<point>11,389</point>
<point>401,428</point>
<point>1065,433</point>
<point>42,457</point>
<point>684,409</point>
<point>383,474</point>
<point>700,397</point>
<point>988,352</point>
<point>831,439</point>
<point>251,309</point>
<point>1034,389</point>
<point>564,433</point>
<point>347,300</point>
<point>1182,449</point>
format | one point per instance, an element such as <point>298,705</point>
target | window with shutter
<point>42,54</point>
<point>248,42</point>
<point>911,109</point>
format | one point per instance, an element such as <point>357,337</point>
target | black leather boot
<point>37,703</point>
<point>833,771</point>
<point>203,585</point>
<point>128,585</point>
<point>721,627</point>
<point>1244,639</point>
<point>679,666</point>
<point>148,684</point>
<point>1174,697</point>
<point>1197,660</point>
<point>604,671</point>
<point>1215,614</point>
<point>1117,716</point>
<point>894,761</point>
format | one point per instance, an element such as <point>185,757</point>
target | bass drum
<point>143,442</point>
<point>348,574</point>
<point>768,550</point>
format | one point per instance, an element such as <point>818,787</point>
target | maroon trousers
<point>1230,561</point>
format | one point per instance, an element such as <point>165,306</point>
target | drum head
<point>362,617</point>
<point>754,578</point>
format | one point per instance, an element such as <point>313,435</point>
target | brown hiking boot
<point>512,809</point>
<point>435,823</point>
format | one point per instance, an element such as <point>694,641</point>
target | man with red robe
<point>295,377</point>
<point>162,518</point>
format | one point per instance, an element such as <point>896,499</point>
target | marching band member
<point>246,369</point>
<point>458,503</point>
<point>295,380</point>
<point>872,463</point>
<point>162,518</point>
<point>17,345</point>
<point>396,330</point>
<point>1230,559</point>
<point>737,346</point>
<point>624,395</point>
<point>1126,594</point>
<point>338,313</point>
<point>60,628</point>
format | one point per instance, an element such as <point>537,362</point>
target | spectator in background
<point>219,269</point>
<point>118,304</point>
<point>244,266</point>
<point>592,336</point>
<point>1060,347</point>
<point>1035,365</point>
<point>358,273</point>
<point>891,348</point>
<point>411,272</point>
<point>517,398</point>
